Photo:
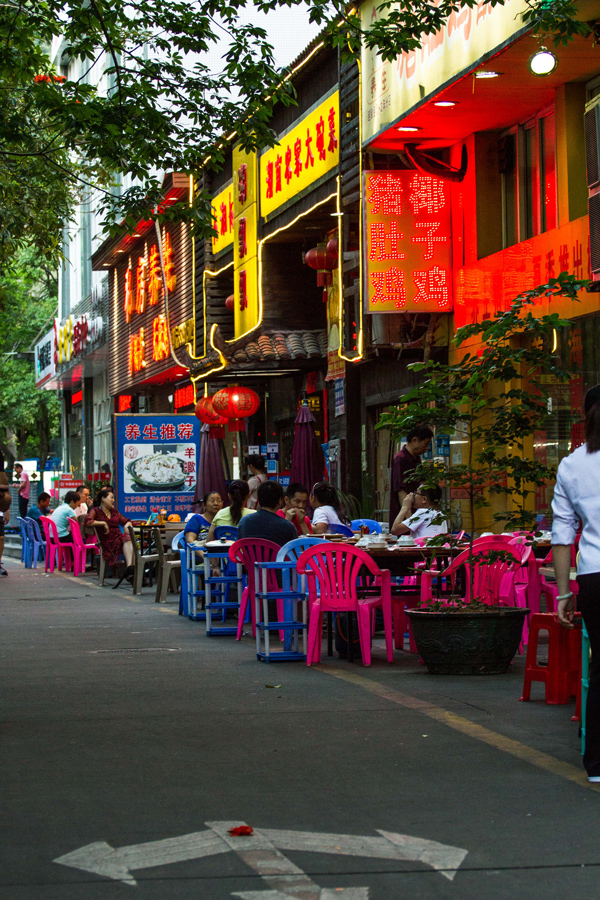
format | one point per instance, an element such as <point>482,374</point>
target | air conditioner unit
<point>592,157</point>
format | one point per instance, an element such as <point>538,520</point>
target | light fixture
<point>542,62</point>
<point>407,128</point>
<point>444,103</point>
<point>487,74</point>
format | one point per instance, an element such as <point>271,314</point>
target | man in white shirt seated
<point>63,513</point>
<point>84,501</point>
<point>419,515</point>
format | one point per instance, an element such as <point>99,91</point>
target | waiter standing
<point>403,481</point>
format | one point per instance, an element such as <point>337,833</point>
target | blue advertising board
<point>156,462</point>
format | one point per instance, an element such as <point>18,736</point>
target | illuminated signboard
<point>44,360</point>
<point>76,398</point>
<point>222,211</point>
<point>73,336</point>
<point>184,396</point>
<point>137,352</point>
<point>182,334</point>
<point>148,279</point>
<point>407,242</point>
<point>160,338</point>
<point>245,248</point>
<point>304,154</point>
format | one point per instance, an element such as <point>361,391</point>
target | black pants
<point>23,504</point>
<point>588,603</point>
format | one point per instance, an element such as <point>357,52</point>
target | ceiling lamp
<point>444,103</point>
<point>407,128</point>
<point>542,62</point>
<point>487,74</point>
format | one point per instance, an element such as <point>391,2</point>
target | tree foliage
<point>160,105</point>
<point>29,418</point>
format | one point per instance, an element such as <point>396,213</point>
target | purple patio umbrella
<point>210,469</point>
<point>307,455</point>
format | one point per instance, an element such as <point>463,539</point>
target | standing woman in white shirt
<point>256,464</point>
<point>328,509</point>
<point>577,499</point>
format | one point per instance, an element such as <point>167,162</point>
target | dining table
<point>146,534</point>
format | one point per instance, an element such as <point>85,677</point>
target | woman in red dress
<point>106,520</point>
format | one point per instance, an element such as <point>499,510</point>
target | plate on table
<point>157,472</point>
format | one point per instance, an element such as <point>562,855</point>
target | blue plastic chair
<point>341,529</point>
<point>293,549</point>
<point>26,548</point>
<point>36,544</point>
<point>373,526</point>
<point>39,534</point>
<point>229,532</point>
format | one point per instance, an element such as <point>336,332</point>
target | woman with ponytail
<point>577,500</point>
<point>328,508</point>
<point>232,515</point>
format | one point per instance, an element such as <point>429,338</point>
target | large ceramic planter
<point>468,643</point>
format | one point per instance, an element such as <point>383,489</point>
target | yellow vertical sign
<point>222,211</point>
<point>245,245</point>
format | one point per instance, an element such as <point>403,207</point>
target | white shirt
<point>326,514</point>
<point>420,523</point>
<point>577,498</point>
<point>82,510</point>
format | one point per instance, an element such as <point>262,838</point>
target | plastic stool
<point>561,673</point>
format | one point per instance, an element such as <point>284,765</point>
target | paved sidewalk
<point>125,730</point>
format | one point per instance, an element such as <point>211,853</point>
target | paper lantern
<point>323,261</point>
<point>236,404</point>
<point>207,415</point>
<point>230,303</point>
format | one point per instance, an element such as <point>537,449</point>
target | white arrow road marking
<point>261,852</point>
<point>102,859</point>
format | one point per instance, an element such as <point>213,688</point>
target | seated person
<point>265,523</point>
<point>235,512</point>
<point>84,502</point>
<point>294,509</point>
<point>419,514</point>
<point>42,507</point>
<point>63,513</point>
<point>106,520</point>
<point>328,509</point>
<point>200,523</point>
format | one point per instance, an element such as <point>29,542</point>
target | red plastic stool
<point>561,674</point>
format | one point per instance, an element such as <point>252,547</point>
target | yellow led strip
<point>359,343</point>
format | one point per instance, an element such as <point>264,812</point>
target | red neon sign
<point>76,398</point>
<point>160,338</point>
<point>184,396</point>
<point>408,244</point>
<point>137,352</point>
<point>124,402</point>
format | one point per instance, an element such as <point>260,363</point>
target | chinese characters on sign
<point>407,242</point>
<point>245,247</point>
<point>160,338</point>
<point>308,151</point>
<point>222,212</point>
<point>44,360</point>
<point>137,351</point>
<point>184,396</point>
<point>148,279</point>
<point>157,459</point>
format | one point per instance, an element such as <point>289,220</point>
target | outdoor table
<point>167,532</point>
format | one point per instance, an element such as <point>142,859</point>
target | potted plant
<point>492,398</point>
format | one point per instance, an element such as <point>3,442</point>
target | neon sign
<point>184,396</point>
<point>148,279</point>
<point>160,338</point>
<point>137,352</point>
<point>407,244</point>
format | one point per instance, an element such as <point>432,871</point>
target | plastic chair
<point>341,529</point>
<point>332,578</point>
<point>490,584</point>
<point>57,554</point>
<point>373,526</point>
<point>80,549</point>
<point>246,552</point>
<point>195,571</point>
<point>220,575</point>
<point>26,549</point>
<point>36,546</point>
<point>35,528</point>
<point>166,568</point>
<point>549,588</point>
<point>178,545</point>
<point>562,672</point>
<point>229,532</point>
<point>140,561</point>
<point>288,596</point>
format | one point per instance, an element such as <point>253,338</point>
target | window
<point>527,161</point>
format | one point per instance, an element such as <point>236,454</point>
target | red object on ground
<point>241,830</point>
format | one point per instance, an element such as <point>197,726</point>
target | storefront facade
<point>510,148</point>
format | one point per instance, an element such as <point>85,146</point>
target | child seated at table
<point>419,515</point>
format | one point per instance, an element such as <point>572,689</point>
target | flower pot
<point>468,643</point>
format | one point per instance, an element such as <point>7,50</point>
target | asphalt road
<point>123,725</point>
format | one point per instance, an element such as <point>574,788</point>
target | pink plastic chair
<point>249,551</point>
<point>489,584</point>
<point>549,588</point>
<point>332,574</point>
<point>80,548</point>
<point>57,553</point>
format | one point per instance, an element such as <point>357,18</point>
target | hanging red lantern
<point>236,404</point>
<point>332,249</point>
<point>320,259</point>
<point>205,412</point>
<point>230,303</point>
